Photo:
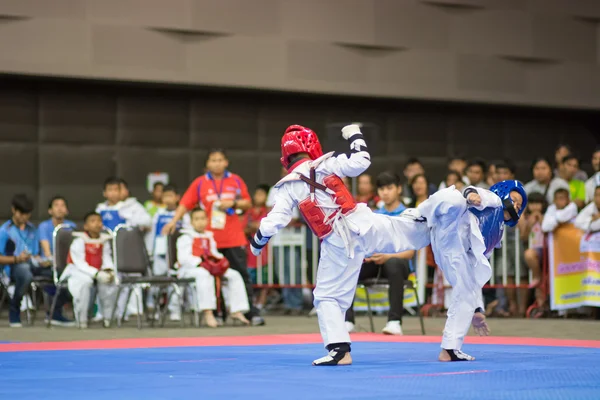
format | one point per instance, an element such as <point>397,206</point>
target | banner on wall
<point>574,265</point>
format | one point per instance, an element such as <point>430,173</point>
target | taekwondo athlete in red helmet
<point>349,232</point>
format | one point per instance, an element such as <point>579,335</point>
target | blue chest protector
<point>164,219</point>
<point>491,225</point>
<point>111,218</point>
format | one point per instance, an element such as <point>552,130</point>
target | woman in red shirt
<point>222,194</point>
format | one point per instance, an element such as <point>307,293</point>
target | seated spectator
<point>58,211</point>
<point>155,203</point>
<point>413,168</point>
<point>476,173</point>
<point>491,175</point>
<point>543,182</point>
<point>588,219</point>
<point>258,211</point>
<point>561,212</point>
<point>563,150</point>
<point>119,208</point>
<point>20,253</point>
<point>157,246</point>
<point>454,178</point>
<point>90,264</point>
<point>365,191</point>
<point>133,211</point>
<point>196,254</point>
<point>566,171</point>
<point>590,185</point>
<point>395,267</point>
<point>533,217</point>
<point>419,187</point>
<point>458,165</point>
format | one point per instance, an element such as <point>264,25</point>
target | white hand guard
<point>350,130</point>
<point>257,243</point>
<point>105,276</point>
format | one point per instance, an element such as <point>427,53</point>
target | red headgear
<point>298,139</point>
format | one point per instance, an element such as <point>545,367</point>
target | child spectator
<point>588,219</point>
<point>562,211</point>
<point>119,208</point>
<point>534,215</point>
<point>155,203</point>
<point>196,254</point>
<point>258,211</point>
<point>58,210</point>
<point>90,262</point>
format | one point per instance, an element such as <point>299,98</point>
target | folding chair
<point>379,282</point>
<point>62,237</point>
<point>132,267</point>
<point>187,283</point>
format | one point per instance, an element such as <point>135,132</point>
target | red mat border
<point>265,340</point>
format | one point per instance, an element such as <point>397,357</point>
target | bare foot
<point>480,325</point>
<point>238,316</point>
<point>209,319</point>
<point>535,282</point>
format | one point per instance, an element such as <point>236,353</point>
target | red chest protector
<point>313,214</point>
<point>216,266</point>
<point>93,255</point>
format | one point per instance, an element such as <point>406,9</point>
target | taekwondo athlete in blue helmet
<point>465,229</point>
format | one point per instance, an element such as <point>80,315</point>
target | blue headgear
<point>503,189</point>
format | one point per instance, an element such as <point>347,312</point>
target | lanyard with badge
<point>217,217</point>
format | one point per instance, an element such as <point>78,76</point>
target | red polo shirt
<point>205,190</point>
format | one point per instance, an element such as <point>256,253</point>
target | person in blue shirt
<point>394,267</point>
<point>464,230</point>
<point>20,252</point>
<point>58,210</point>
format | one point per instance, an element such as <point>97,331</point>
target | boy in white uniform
<point>199,258</point>
<point>349,232</point>
<point>90,262</point>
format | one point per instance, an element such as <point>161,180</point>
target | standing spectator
<point>20,253</point>
<point>155,203</point>
<point>476,173</point>
<point>395,267</point>
<point>590,185</point>
<point>543,182</point>
<point>252,219</point>
<point>419,187</point>
<point>561,212</point>
<point>567,170</point>
<point>561,152</point>
<point>456,164</point>
<point>220,193</point>
<point>534,215</point>
<point>58,210</point>
<point>588,219</point>
<point>134,212</point>
<point>365,191</point>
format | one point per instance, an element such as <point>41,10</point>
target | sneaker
<point>83,325</point>
<point>392,328</point>
<point>14,319</point>
<point>257,320</point>
<point>59,320</point>
<point>175,317</point>
<point>350,326</point>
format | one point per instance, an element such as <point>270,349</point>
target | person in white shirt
<point>590,184</point>
<point>561,212</point>
<point>543,182</point>
<point>196,254</point>
<point>588,219</point>
<point>89,262</point>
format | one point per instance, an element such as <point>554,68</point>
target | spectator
<point>155,203</point>
<point>157,246</point>
<point>20,252</point>
<point>567,170</point>
<point>454,178</point>
<point>543,182</point>
<point>413,167</point>
<point>58,210</point>
<point>491,176</point>
<point>476,173</point>
<point>419,187</point>
<point>561,212</point>
<point>195,247</point>
<point>90,263</point>
<point>110,209</point>
<point>252,219</point>
<point>561,152</point>
<point>292,297</point>
<point>517,304</point>
<point>366,193</point>
<point>588,219</point>
<point>394,267</point>
<point>458,165</point>
<point>220,193</point>
<point>534,215</point>
<point>590,185</point>
<point>132,210</point>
